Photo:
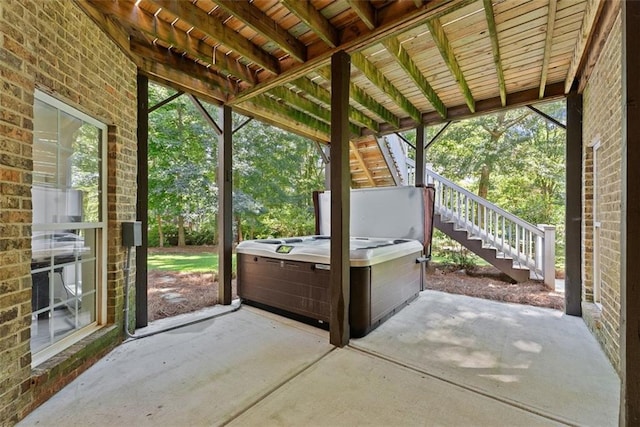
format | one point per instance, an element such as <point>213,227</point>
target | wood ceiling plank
<point>378,79</point>
<point>365,11</point>
<point>129,14</point>
<point>401,56</point>
<point>594,7</point>
<point>215,28</point>
<point>261,23</point>
<point>441,40</point>
<point>551,19</point>
<point>495,48</point>
<point>314,20</point>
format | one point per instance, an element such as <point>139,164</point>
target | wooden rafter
<point>323,95</point>
<point>215,29</point>
<point>263,24</point>
<point>365,11</point>
<point>404,60</point>
<point>275,120</point>
<point>362,163</point>
<point>378,79</point>
<point>271,104</point>
<point>551,19</point>
<point>495,48</point>
<point>314,20</point>
<point>364,99</point>
<point>131,15</point>
<point>441,40</point>
<point>590,17</point>
<point>181,64</point>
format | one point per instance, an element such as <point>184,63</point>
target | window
<point>68,267</point>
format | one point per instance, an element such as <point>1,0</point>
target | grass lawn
<point>186,263</point>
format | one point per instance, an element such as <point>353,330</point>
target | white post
<point>549,256</point>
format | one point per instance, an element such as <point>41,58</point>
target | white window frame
<point>597,227</point>
<point>101,238</point>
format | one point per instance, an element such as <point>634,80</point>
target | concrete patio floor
<point>444,360</point>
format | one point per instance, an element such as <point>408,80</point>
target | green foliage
<point>274,175</point>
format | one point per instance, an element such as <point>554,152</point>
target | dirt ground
<point>171,293</point>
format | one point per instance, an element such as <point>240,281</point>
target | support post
<point>142,205</point>
<point>573,211</point>
<point>630,219</point>
<point>548,255</point>
<point>420,156</point>
<point>225,212</point>
<point>339,329</point>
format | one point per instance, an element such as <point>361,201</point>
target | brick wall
<point>602,122</point>
<point>53,46</point>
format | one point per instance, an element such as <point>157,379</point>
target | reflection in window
<point>67,228</point>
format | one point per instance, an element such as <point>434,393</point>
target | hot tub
<point>292,276</point>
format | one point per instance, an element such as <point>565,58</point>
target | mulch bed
<point>171,293</point>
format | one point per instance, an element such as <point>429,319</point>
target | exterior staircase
<point>517,248</point>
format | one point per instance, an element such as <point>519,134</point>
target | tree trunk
<point>181,239</point>
<point>239,226</point>
<point>483,185</point>
<point>160,233</point>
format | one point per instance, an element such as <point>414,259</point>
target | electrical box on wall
<point>131,234</point>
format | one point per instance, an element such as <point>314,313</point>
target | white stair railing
<point>528,245</point>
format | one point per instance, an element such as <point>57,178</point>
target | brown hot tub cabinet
<point>292,276</point>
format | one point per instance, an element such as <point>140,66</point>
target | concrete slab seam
<point>475,390</point>
<point>276,387</point>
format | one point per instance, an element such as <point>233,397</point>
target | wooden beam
<point>593,9</point>
<point>551,20</point>
<point>396,18</point>
<point>365,11</point>
<point>630,219</point>
<point>225,207</point>
<point>602,28</point>
<point>377,78</point>
<point>310,107</point>
<point>323,95</point>
<point>180,80</point>
<point>339,278</point>
<point>205,115</point>
<point>420,138</point>
<point>404,60</point>
<point>291,113</point>
<point>166,101</point>
<point>128,13</point>
<point>314,20</point>
<point>215,28</point>
<point>256,112</point>
<point>206,95</point>
<point>182,65</point>
<point>484,106</point>
<point>441,40</point>
<point>264,25</point>
<point>362,164</point>
<point>495,48</point>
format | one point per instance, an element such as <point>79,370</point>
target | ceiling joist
<point>131,15</point>
<point>404,60</point>
<point>365,11</point>
<point>264,25</point>
<point>495,48</point>
<point>378,79</point>
<point>305,119</point>
<point>314,20</point>
<point>215,28</point>
<point>441,40</point>
<point>551,19</point>
<point>323,95</point>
